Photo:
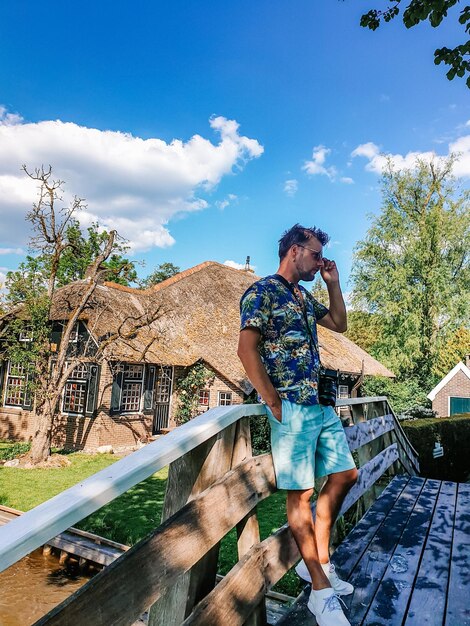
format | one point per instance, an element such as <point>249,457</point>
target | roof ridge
<point>169,281</point>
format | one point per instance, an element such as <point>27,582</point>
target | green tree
<point>402,395</point>
<point>320,292</point>
<point>364,329</point>
<point>29,301</point>
<point>412,268</point>
<point>159,274</point>
<point>458,58</point>
<point>453,348</point>
<point>78,254</point>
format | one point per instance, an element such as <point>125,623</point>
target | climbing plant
<point>197,377</point>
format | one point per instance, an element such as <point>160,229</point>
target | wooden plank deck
<point>408,559</point>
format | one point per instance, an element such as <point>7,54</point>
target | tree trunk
<point>42,440</point>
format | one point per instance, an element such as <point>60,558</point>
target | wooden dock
<point>84,546</point>
<point>408,559</point>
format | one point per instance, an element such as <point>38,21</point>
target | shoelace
<point>332,603</point>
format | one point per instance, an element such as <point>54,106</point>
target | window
<point>203,401</point>
<point>25,336</point>
<point>81,390</point>
<point>225,398</point>
<point>74,334</point>
<point>132,388</point>
<point>343,392</point>
<point>75,390</point>
<point>15,387</point>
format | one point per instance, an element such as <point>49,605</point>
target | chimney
<point>467,360</point>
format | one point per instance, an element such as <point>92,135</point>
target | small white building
<point>452,395</point>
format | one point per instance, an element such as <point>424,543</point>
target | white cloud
<point>9,119</point>
<point>317,164</point>
<point>132,184</point>
<point>346,180</point>
<point>377,159</point>
<point>222,204</point>
<point>235,265</point>
<point>11,251</point>
<point>291,186</point>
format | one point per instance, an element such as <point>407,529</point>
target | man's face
<point>308,258</point>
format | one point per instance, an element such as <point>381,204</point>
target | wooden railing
<point>214,485</point>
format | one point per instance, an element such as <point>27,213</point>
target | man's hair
<point>300,235</point>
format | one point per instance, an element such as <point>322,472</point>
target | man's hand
<point>329,272</point>
<point>276,410</point>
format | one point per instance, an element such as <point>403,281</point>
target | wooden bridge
<point>408,556</point>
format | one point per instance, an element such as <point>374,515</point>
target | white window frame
<point>24,377</point>
<point>219,399</point>
<point>70,380</point>
<point>341,392</point>
<point>132,380</point>
<point>202,407</point>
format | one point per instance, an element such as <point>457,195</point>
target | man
<point>278,347</point>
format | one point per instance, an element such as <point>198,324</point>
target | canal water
<point>34,585</point>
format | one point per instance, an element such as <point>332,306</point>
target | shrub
<point>10,452</point>
<point>260,434</point>
<point>402,394</point>
<point>418,412</point>
<point>453,433</point>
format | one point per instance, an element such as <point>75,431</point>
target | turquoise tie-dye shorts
<point>310,442</point>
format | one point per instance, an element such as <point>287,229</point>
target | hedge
<point>454,435</point>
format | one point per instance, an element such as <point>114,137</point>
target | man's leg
<point>329,503</point>
<point>299,516</point>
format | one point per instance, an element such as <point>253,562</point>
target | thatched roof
<point>198,319</point>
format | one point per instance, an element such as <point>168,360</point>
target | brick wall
<point>458,386</point>
<point>218,384</point>
<point>121,431</point>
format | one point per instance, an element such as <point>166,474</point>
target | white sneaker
<point>326,607</point>
<point>341,587</point>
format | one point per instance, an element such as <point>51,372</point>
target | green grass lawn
<point>134,514</point>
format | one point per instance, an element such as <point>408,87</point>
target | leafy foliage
<point>197,377</point>
<point>434,11</point>
<point>364,329</point>
<point>412,269</point>
<point>79,252</point>
<point>402,395</point>
<point>10,452</point>
<point>320,292</point>
<point>454,348</point>
<point>160,273</point>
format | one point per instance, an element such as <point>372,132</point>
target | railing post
<point>188,476</point>
<point>247,528</point>
<point>361,413</point>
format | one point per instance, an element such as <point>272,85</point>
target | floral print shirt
<point>291,362</point>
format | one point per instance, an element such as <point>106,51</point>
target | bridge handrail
<point>35,527</point>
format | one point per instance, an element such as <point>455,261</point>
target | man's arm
<point>251,360</point>
<point>336,318</point>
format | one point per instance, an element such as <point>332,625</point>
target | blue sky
<point>101,91</point>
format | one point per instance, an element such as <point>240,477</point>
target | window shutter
<point>149,390</point>
<point>27,394</point>
<point>3,370</point>
<point>56,334</point>
<point>92,395</point>
<point>116,392</point>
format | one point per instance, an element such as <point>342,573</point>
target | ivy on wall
<point>197,377</point>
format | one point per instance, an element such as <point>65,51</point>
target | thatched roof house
<point>197,319</point>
